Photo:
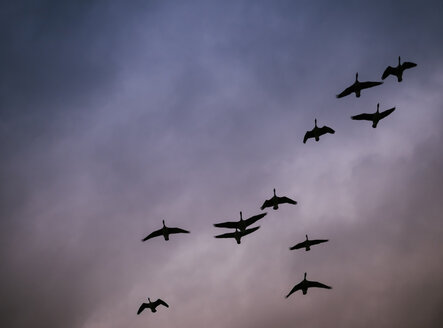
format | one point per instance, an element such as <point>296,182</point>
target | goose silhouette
<point>357,86</point>
<point>316,132</point>
<point>242,224</point>
<point>237,234</point>
<point>305,284</point>
<point>308,243</point>
<point>165,232</point>
<point>398,70</point>
<point>374,117</point>
<point>275,201</point>
<point>152,305</point>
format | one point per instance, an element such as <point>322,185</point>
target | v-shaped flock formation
<point>241,227</point>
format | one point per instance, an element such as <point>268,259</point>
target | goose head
<point>378,105</point>
<point>274,193</point>
<point>149,300</point>
<point>307,238</point>
<point>304,276</point>
<point>164,226</point>
<point>356,77</point>
<point>241,217</point>
<point>399,60</point>
<point>315,122</point>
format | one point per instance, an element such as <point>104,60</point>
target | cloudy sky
<point>116,115</point>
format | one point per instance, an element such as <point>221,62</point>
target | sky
<point>117,115</point>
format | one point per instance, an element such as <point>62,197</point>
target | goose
<point>316,132</point>
<point>237,234</point>
<point>305,284</point>
<point>398,70</point>
<point>357,86</point>
<point>165,232</point>
<point>308,243</point>
<point>151,305</point>
<point>242,224</point>
<point>275,200</point>
<point>374,117</point>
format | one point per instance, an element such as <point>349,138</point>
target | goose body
<point>374,117</point>
<point>165,232</point>
<point>308,243</point>
<point>237,234</point>
<point>275,201</point>
<point>316,132</point>
<point>398,70</point>
<point>242,224</point>
<point>151,305</point>
<point>305,284</point>
<point>357,86</point>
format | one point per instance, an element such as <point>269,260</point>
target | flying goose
<point>357,86</point>
<point>398,70</point>
<point>237,234</point>
<point>151,305</point>
<point>275,200</point>
<point>316,132</point>
<point>242,224</point>
<point>374,117</point>
<point>305,284</point>
<point>308,243</point>
<point>165,232</point>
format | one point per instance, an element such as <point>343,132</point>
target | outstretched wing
<point>156,233</point>
<point>226,235</point>
<point>254,219</point>
<point>318,241</point>
<point>317,284</point>
<point>369,84</point>
<point>248,231</point>
<point>326,129</point>
<point>177,230</point>
<point>283,200</point>
<point>346,91</point>
<point>407,65</point>
<point>142,307</point>
<point>267,203</point>
<point>160,302</point>
<point>388,71</point>
<point>309,134</point>
<point>230,225</point>
<point>299,245</point>
<point>364,116</point>
<point>294,289</point>
<point>386,112</point>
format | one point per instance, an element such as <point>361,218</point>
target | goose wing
<point>295,288</point>
<point>267,203</point>
<point>160,302</point>
<point>318,241</point>
<point>386,112</point>
<point>364,116</point>
<point>346,91</point>
<point>309,134</point>
<point>142,307</point>
<point>156,233</point>
<point>177,230</point>
<point>317,284</point>
<point>407,65</point>
<point>299,245</point>
<point>254,219</point>
<point>226,235</point>
<point>248,231</point>
<point>326,129</point>
<point>369,84</point>
<point>230,225</point>
<point>388,71</point>
<point>283,200</point>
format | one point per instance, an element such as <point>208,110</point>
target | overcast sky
<point>115,115</point>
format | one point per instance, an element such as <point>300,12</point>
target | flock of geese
<point>241,226</point>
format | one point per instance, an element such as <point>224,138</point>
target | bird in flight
<point>237,234</point>
<point>398,70</point>
<point>165,232</point>
<point>275,201</point>
<point>305,284</point>
<point>151,305</point>
<point>316,132</point>
<point>357,86</point>
<point>308,243</point>
<point>374,117</point>
<point>242,224</point>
